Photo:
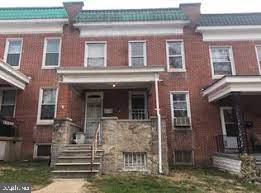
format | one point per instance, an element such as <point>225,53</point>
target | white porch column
<point>159,121</point>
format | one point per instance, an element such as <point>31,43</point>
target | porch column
<point>239,122</point>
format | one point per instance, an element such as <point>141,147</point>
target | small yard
<point>35,173</point>
<point>182,180</point>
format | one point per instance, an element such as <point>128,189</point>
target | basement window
<point>42,151</point>
<point>183,157</point>
<point>135,161</point>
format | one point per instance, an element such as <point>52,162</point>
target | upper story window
<point>13,52</point>
<point>51,57</point>
<point>222,61</point>
<point>7,103</point>
<point>180,110</point>
<point>258,52</point>
<point>47,105</point>
<point>175,56</point>
<point>95,54</point>
<point>137,54</point>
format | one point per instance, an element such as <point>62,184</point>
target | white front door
<point>230,131</point>
<point>93,113</point>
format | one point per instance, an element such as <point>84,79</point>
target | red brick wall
<point>205,116</point>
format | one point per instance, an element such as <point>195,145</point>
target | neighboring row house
<point>125,77</point>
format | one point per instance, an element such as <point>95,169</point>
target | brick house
<point>121,78</point>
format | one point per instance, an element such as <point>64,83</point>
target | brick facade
<point>205,116</point>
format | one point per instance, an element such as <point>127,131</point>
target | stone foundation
<point>62,135</point>
<point>132,136</point>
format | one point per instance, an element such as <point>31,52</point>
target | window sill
<point>45,122</point>
<point>50,67</point>
<point>177,70</point>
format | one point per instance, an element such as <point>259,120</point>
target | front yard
<point>181,180</point>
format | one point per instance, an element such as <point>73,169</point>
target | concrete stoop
<point>75,162</point>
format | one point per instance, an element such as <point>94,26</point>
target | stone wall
<point>132,136</point>
<point>62,135</point>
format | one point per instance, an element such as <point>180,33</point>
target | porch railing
<point>227,144</point>
<point>96,141</point>
<point>138,114</point>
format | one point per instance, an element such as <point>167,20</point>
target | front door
<point>138,105</point>
<point>94,106</point>
<point>229,128</point>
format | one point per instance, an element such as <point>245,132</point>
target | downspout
<point>159,121</point>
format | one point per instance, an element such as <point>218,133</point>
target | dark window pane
<point>44,150</point>
<point>137,48</point>
<point>179,97</point>
<point>175,62</point>
<point>180,113</point>
<point>13,59</point>
<point>180,105</point>
<point>53,45</point>
<point>222,68</point>
<point>9,97</point>
<point>96,62</point>
<point>175,48</point>
<point>47,112</point>
<point>183,157</point>
<point>137,62</point>
<point>178,156</point>
<point>7,111</point>
<point>52,59</point>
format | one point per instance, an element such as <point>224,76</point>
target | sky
<point>208,6</point>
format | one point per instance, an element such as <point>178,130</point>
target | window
<point>180,110</point>
<point>175,56</point>
<point>135,161</point>
<point>137,54</point>
<point>13,52</point>
<point>183,157</point>
<point>222,61</point>
<point>47,105</point>
<point>95,55</point>
<point>51,56</point>
<point>7,99</point>
<point>42,151</point>
<point>258,53</point>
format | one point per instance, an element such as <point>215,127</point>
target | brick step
<point>74,173</point>
<point>77,159</point>
<point>77,166</point>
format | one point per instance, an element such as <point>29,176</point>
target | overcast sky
<point>208,6</point>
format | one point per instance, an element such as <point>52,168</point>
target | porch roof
<point>11,76</point>
<point>106,77</point>
<point>229,84</point>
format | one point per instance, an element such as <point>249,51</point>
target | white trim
<point>87,94</point>
<point>15,21</point>
<point>227,85</point>
<point>222,119</point>
<point>46,122</point>
<point>86,51</point>
<point>230,33</point>
<point>7,50</point>
<point>144,51</point>
<point>36,151</point>
<point>1,98</point>
<point>144,93</point>
<point>45,49</point>
<point>258,60</point>
<point>13,76</point>
<point>231,55</point>
<point>131,28</point>
<point>188,108</point>
<point>183,69</point>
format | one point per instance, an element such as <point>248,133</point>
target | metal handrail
<point>96,140</point>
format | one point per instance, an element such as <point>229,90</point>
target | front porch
<point>118,112</point>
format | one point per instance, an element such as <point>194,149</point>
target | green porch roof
<point>32,13</point>
<point>125,15</point>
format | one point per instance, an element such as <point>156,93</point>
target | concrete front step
<point>79,152</point>
<point>77,166</point>
<point>77,159</point>
<point>74,173</point>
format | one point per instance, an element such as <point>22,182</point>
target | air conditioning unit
<point>182,122</point>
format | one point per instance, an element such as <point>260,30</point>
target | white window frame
<point>231,54</point>
<point>36,151</point>
<point>45,52</point>
<point>188,108</point>
<point>135,168</point>
<point>7,49</point>
<point>145,101</point>
<point>222,118</point>
<point>258,60</point>
<point>39,120</point>
<point>1,98</point>
<point>86,51</point>
<point>169,69</point>
<point>144,51</point>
